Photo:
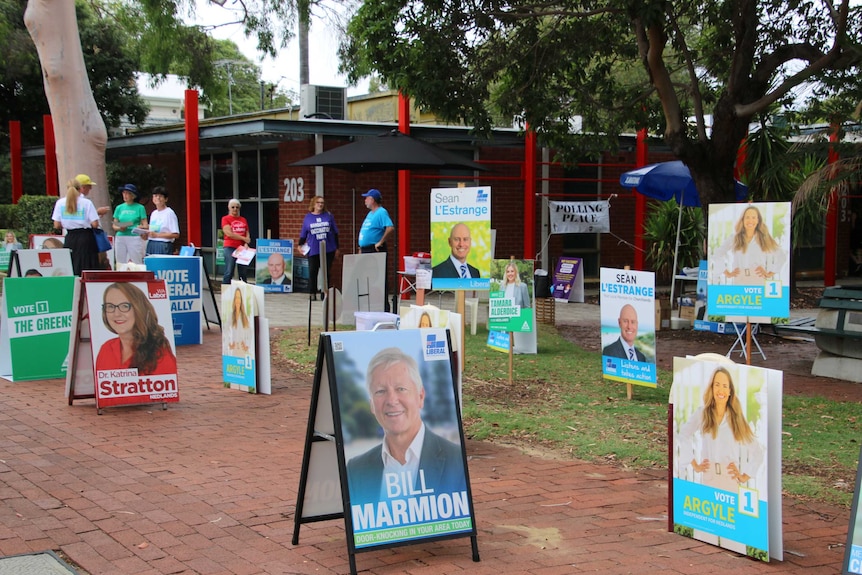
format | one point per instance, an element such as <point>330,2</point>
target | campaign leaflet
<point>131,332</point>
<point>627,300</point>
<point>749,260</point>
<point>432,499</point>
<point>461,231</point>
<point>721,465</point>
<point>853,552</point>
<point>182,275</point>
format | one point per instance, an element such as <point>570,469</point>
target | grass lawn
<point>559,406</point>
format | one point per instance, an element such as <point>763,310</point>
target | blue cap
<point>131,188</point>
<point>373,193</point>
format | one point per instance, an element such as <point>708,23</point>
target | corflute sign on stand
<point>461,248</point>
<point>274,265</point>
<point>245,338</point>
<point>726,447</point>
<point>35,326</point>
<point>749,260</point>
<point>627,301</point>
<point>376,396</point>
<point>134,357</point>
<point>182,275</point>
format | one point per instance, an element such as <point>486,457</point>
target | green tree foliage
<point>238,81</point>
<point>33,215</point>
<point>660,235</point>
<point>110,64</point>
<point>697,72</point>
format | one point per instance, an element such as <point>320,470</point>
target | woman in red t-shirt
<point>236,235</point>
<point>141,341</point>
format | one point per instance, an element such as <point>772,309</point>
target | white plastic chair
<point>472,308</point>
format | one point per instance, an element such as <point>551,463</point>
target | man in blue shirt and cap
<point>375,230</point>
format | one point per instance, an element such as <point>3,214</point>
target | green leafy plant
<point>33,215</point>
<point>7,215</point>
<point>660,235</point>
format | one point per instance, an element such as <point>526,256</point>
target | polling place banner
<point>182,275</point>
<point>36,322</point>
<point>580,217</point>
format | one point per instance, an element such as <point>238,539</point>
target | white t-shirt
<point>81,220</point>
<point>164,221</point>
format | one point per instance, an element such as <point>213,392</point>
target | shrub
<point>7,215</point>
<point>33,215</point>
<point>660,234</point>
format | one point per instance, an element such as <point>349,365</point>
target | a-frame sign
<point>412,486</point>
<point>121,304</point>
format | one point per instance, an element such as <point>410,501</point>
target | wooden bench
<point>840,313</point>
<point>836,332</point>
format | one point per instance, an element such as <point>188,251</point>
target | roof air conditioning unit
<point>327,102</point>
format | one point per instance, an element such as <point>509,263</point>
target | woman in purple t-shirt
<point>318,225</point>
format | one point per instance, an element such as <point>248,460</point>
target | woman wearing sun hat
<point>128,246</point>
<point>77,215</point>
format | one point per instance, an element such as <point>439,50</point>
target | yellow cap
<point>84,180</point>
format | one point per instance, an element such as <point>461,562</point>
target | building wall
<point>343,195</point>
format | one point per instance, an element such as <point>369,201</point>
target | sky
<point>283,70</point>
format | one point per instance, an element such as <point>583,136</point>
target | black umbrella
<point>389,151</point>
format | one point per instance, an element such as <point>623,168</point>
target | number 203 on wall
<point>294,190</point>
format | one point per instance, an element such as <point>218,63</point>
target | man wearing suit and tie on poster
<point>411,456</point>
<point>624,347</point>
<point>275,265</point>
<point>456,266</point>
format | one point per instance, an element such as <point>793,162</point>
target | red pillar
<point>52,183</point>
<point>403,187</point>
<point>15,156</point>
<point>193,169</point>
<point>530,194</point>
<point>741,155</point>
<point>640,201</point>
<point>831,248</point>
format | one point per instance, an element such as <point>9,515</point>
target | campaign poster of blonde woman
<point>720,470</point>
<point>749,263</point>
<point>853,549</point>
<point>238,349</point>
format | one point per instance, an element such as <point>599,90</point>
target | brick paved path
<point>208,487</point>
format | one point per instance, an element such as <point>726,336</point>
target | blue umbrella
<point>668,180</point>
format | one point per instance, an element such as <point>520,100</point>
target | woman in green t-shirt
<point>128,216</point>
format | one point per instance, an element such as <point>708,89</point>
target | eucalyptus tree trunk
<point>79,130</point>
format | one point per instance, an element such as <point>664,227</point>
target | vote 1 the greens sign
<point>37,318</point>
